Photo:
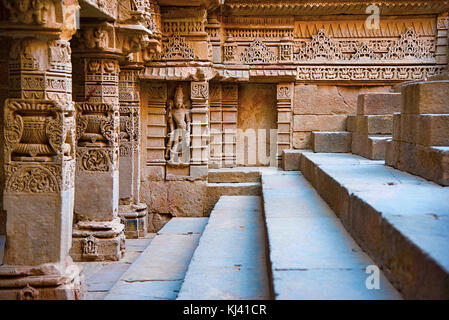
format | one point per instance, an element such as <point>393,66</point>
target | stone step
<point>401,220</point>
<point>216,190</point>
<point>311,254</point>
<point>159,272</point>
<point>234,175</point>
<point>331,141</point>
<point>373,147</point>
<point>230,262</point>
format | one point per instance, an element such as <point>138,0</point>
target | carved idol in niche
<point>178,146</point>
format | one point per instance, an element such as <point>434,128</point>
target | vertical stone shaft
<point>132,212</point>
<point>285,118</point>
<point>200,133</point>
<point>441,49</point>
<point>216,126</point>
<point>98,233</point>
<point>4,83</point>
<point>155,131</point>
<point>39,168</point>
<point>230,98</point>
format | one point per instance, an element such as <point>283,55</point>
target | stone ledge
<point>401,220</point>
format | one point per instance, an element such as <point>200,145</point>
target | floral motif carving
<point>31,179</point>
<point>95,160</point>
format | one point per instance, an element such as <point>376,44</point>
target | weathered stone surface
<point>291,160</point>
<point>426,97</point>
<point>351,123</point>
<point>226,175</point>
<point>433,130</point>
<point>216,190</point>
<point>160,270</point>
<point>389,217</point>
<point>186,199</point>
<point>231,251</point>
<point>156,221</point>
<point>369,146</point>
<point>374,124</point>
<point>319,122</point>
<point>302,140</point>
<point>307,243</point>
<point>378,103</point>
<point>155,196</point>
<point>328,100</point>
<point>331,141</point>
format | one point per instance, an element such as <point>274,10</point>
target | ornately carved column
<point>98,233</point>
<point>199,94</point>
<point>39,155</point>
<point>285,117</point>
<point>132,212</point>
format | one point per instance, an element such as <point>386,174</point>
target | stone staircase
<point>231,182</point>
<point>230,261</point>
<point>296,241</point>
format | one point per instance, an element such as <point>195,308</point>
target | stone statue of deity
<point>178,146</point>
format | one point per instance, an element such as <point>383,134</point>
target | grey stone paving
<point>100,277</point>
<point>312,256</point>
<point>159,271</point>
<point>230,262</point>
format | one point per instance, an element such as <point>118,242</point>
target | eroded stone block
<point>338,142</point>
<point>378,103</point>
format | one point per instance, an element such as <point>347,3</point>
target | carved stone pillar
<point>98,233</point>
<point>230,96</point>
<point>4,82</point>
<point>131,211</point>
<point>285,117</point>
<point>441,49</point>
<point>216,126</point>
<point>39,164</point>
<point>199,94</point>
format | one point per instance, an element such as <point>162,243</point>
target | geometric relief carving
<point>177,48</point>
<point>257,52</point>
<point>410,47</point>
<point>366,73</point>
<point>321,47</point>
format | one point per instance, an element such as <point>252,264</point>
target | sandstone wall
<point>256,111</point>
<point>324,108</point>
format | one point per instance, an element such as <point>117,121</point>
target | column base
<point>44,282</point>
<point>134,217</point>
<point>98,241</point>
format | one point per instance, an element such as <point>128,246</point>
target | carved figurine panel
<point>179,127</point>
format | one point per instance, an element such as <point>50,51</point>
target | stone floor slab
<point>159,271</point>
<point>330,284</point>
<point>184,226</point>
